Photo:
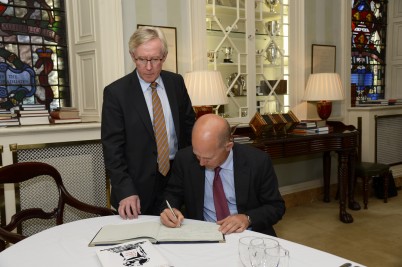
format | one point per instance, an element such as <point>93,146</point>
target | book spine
<point>55,114</point>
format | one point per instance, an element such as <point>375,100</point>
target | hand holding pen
<point>171,217</point>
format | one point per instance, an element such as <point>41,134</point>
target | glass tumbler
<point>258,249</point>
<point>244,244</point>
<point>280,256</point>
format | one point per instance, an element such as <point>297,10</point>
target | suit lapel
<point>241,179</point>
<point>139,103</point>
<point>198,174</point>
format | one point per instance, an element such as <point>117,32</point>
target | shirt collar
<point>145,85</point>
<point>228,164</point>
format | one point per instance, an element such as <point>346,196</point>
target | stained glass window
<point>33,53</point>
<point>369,26</point>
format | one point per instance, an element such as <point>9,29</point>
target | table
<point>343,140</point>
<point>67,245</point>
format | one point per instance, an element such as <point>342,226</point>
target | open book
<point>156,232</point>
<point>135,253</point>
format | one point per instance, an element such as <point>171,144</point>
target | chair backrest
<point>82,167</point>
<point>80,163</point>
<point>28,172</point>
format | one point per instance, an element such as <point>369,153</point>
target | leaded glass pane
<point>33,53</point>
<point>369,26</point>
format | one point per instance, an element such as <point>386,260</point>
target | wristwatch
<point>249,220</point>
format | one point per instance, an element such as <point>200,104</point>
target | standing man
<point>147,116</point>
<point>217,180</point>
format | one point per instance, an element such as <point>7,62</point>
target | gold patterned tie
<point>160,132</point>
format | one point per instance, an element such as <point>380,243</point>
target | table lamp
<point>324,88</point>
<point>206,89</point>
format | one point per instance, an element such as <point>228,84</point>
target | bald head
<point>211,128</point>
<point>211,140</point>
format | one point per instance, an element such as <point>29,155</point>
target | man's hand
<point>130,207</point>
<point>233,224</point>
<point>169,220</point>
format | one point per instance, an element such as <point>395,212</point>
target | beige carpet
<point>373,239</point>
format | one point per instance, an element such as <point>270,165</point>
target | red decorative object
<point>202,110</point>
<point>324,109</point>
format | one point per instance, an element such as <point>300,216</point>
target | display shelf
<point>251,37</point>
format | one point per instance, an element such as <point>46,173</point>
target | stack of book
<point>8,118</point>
<point>65,115</point>
<point>319,130</point>
<point>312,127</point>
<point>242,139</point>
<point>372,103</point>
<point>33,114</point>
<point>394,101</point>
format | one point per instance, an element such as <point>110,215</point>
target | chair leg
<point>386,182</point>
<point>365,191</point>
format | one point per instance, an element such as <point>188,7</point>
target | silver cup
<point>272,27</point>
<point>228,50</point>
<point>271,4</point>
<point>271,53</point>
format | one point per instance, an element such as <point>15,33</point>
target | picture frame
<point>170,63</point>
<point>323,58</point>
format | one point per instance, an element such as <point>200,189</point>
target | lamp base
<point>202,110</point>
<point>324,109</point>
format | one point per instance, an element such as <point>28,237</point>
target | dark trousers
<point>161,182</point>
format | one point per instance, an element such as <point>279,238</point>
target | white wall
<point>169,13</point>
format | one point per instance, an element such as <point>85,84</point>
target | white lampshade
<point>206,88</point>
<point>324,86</point>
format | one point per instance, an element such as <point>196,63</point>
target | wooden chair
<point>23,171</point>
<point>368,170</point>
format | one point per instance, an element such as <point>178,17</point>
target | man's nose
<point>203,162</point>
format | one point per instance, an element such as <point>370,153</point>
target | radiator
<point>388,148</point>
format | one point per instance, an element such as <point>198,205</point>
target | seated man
<point>242,193</point>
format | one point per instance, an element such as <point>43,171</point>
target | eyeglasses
<point>144,61</point>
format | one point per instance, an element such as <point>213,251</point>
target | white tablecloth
<point>67,245</point>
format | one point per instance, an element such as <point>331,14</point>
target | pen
<point>170,207</point>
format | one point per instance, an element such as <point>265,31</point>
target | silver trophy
<point>272,27</point>
<point>271,53</point>
<point>212,55</point>
<point>271,4</point>
<point>228,50</point>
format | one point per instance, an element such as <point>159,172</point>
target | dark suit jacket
<point>256,187</point>
<point>128,139</point>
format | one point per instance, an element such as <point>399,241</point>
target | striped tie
<point>160,132</point>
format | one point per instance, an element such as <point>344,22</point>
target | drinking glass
<point>258,249</point>
<point>244,244</point>
<point>280,256</point>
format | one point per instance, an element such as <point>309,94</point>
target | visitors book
<point>134,253</point>
<point>155,232</point>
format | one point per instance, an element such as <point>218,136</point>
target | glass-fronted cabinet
<point>247,41</point>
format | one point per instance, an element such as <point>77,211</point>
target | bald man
<point>248,177</point>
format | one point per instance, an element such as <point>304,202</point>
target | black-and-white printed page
<point>136,253</point>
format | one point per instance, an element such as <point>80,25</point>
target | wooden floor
<point>373,239</point>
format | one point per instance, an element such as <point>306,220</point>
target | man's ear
<point>164,58</point>
<point>132,57</point>
<point>229,145</point>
